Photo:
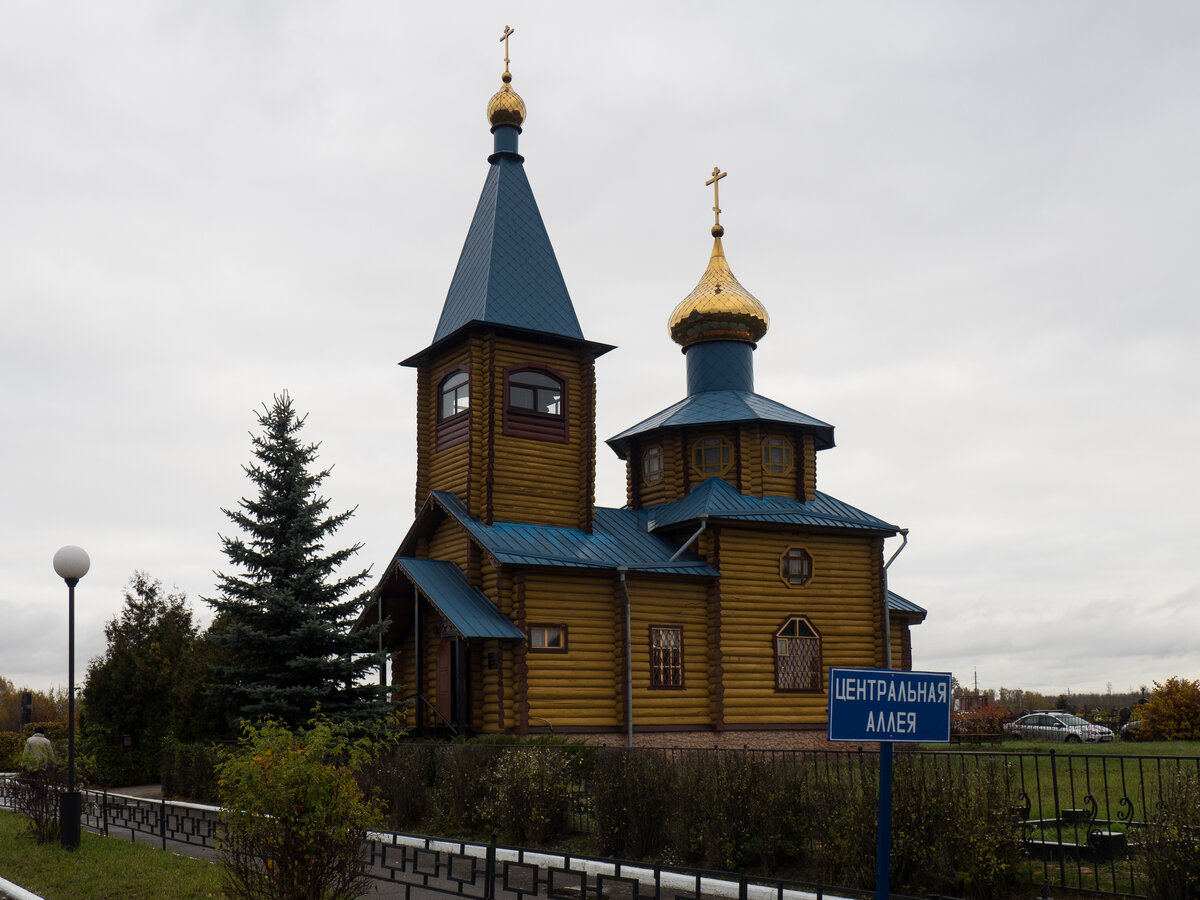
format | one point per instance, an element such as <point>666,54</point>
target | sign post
<point>885,705</point>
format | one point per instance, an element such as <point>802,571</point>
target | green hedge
<point>189,771</point>
<point>11,745</point>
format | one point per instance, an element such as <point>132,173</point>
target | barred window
<point>797,656</point>
<point>666,657</point>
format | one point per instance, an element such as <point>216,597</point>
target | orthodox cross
<point>717,176</point>
<point>504,37</point>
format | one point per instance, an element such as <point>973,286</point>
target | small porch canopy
<point>465,607</point>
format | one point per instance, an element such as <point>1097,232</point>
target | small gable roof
<point>719,500</point>
<point>464,606</point>
<point>717,407</point>
<point>898,604</point>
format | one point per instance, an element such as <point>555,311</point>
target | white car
<point>1050,725</point>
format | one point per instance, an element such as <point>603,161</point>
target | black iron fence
<point>1081,820</point>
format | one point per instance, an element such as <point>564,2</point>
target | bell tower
<point>506,392</point>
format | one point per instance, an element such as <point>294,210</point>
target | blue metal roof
<point>619,538</point>
<point>896,603</point>
<point>507,273</point>
<point>719,500</point>
<point>464,606</point>
<point>716,407</point>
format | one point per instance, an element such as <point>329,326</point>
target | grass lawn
<point>1189,749</point>
<point>102,868</point>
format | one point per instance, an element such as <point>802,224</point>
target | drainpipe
<point>887,613</point>
<point>692,539</point>
<point>382,657</point>
<point>621,570</point>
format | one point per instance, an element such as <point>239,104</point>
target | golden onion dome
<point>506,106</point>
<point>719,308</point>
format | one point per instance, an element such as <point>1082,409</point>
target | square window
<point>548,637</point>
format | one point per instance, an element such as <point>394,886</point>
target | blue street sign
<point>888,705</point>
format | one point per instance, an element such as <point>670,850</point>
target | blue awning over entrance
<point>465,607</point>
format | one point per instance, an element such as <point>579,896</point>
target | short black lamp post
<point>71,563</point>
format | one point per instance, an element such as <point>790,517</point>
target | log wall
<point>576,688</point>
<point>841,602</point>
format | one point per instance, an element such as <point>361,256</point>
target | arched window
<point>777,454</point>
<point>797,656</point>
<point>712,456</point>
<point>454,404</point>
<point>455,395</point>
<point>652,464</point>
<point>796,567</point>
<point>535,392</point>
<point>535,404</point>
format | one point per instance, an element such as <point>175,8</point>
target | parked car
<point>1135,731</point>
<point>1052,725</point>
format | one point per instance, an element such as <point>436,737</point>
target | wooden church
<point>714,601</point>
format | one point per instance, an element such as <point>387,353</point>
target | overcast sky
<point>974,225</point>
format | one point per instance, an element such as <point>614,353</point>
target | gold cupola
<point>719,308</point>
<point>506,106</point>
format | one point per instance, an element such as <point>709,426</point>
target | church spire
<point>507,274</point>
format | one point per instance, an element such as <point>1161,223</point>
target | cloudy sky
<point>975,227</point>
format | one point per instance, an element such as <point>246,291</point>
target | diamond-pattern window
<point>666,657</point>
<point>797,656</point>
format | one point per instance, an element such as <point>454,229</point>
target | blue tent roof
<point>619,538</point>
<point>507,274</point>
<point>464,606</point>
<point>717,499</point>
<point>714,407</point>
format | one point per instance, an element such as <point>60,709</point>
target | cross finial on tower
<point>717,176</point>
<point>504,37</point>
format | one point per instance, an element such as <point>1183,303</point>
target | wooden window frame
<point>786,576</point>
<point>529,423</point>
<point>664,674</point>
<point>546,626</point>
<point>698,463</point>
<point>455,428</point>
<point>818,672</point>
<point>788,466</point>
<point>655,452</point>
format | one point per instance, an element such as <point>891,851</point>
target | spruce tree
<point>283,630</point>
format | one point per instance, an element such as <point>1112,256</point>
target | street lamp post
<point>71,563</point>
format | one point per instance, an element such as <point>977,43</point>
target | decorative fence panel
<point>1081,820</point>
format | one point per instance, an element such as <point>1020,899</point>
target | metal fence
<point>1080,817</point>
